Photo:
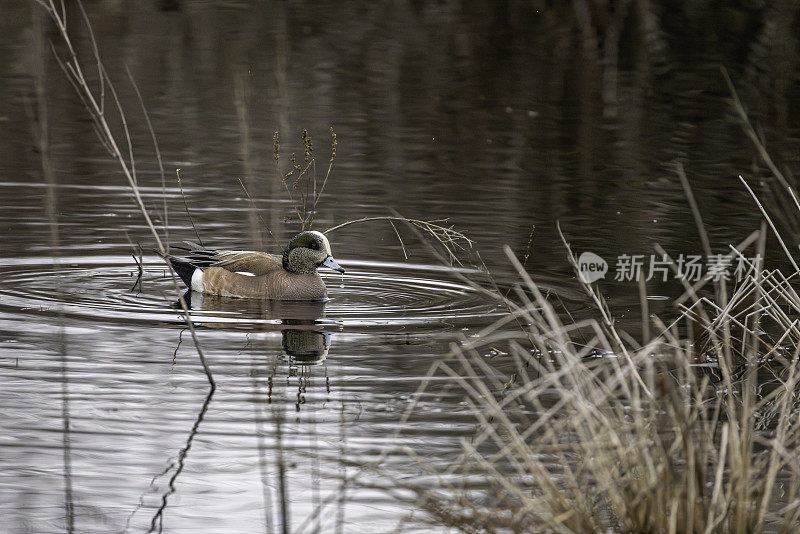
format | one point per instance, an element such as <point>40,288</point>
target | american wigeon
<point>258,275</point>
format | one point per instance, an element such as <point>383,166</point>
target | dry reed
<point>695,433</point>
<point>568,442</point>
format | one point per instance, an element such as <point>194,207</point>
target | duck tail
<point>184,269</point>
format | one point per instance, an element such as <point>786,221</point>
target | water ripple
<point>370,295</point>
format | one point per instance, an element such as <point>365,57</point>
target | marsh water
<point>504,121</point>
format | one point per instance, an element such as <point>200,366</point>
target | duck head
<point>307,251</point>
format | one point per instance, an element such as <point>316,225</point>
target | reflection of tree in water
<point>304,348</point>
<point>596,94</point>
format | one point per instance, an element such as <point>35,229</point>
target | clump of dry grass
<point>693,430</point>
<point>651,442</point>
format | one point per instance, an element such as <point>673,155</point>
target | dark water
<point>500,119</point>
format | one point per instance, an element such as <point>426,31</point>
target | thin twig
<point>158,152</point>
<point>186,205</point>
<point>450,239</point>
<point>255,210</point>
<point>771,224</point>
<point>405,253</point>
<point>751,133</point>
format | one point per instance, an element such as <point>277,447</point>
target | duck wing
<point>236,261</point>
<point>246,261</point>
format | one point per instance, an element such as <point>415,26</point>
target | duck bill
<point>330,262</point>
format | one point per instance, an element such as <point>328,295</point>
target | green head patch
<point>305,252</point>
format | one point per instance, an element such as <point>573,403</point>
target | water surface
<point>503,120</point>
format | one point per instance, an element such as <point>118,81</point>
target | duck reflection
<point>304,341</point>
<point>306,347</point>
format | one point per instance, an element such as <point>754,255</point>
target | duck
<point>258,275</point>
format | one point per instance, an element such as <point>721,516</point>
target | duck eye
<point>314,245</point>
